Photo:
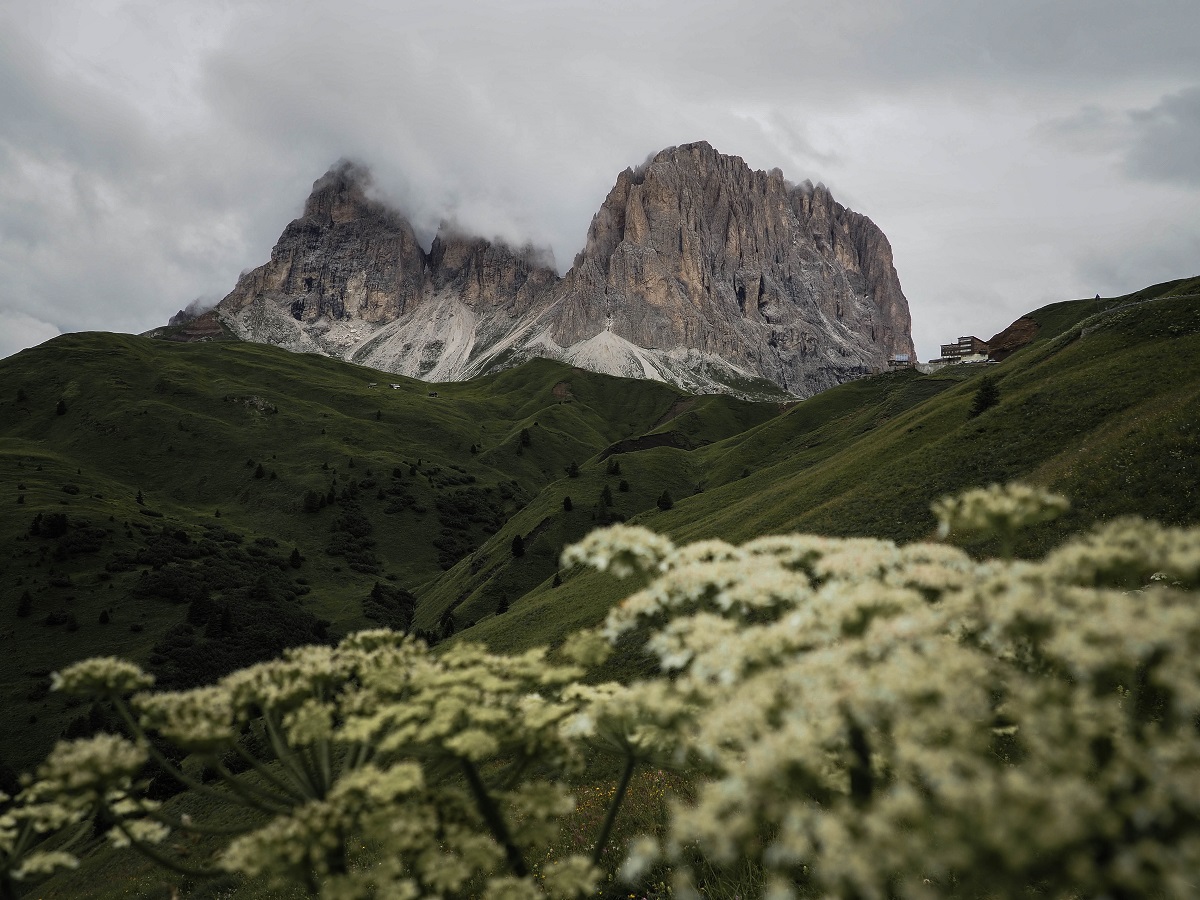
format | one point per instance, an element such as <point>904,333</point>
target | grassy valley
<point>1100,407</point>
<point>199,506</point>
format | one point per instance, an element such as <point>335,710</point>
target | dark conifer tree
<point>986,397</point>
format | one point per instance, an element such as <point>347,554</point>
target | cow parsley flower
<point>101,677</point>
<point>997,511</point>
<point>621,549</point>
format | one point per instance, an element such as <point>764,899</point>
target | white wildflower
<point>859,719</point>
<point>586,648</point>
<point>997,510</point>
<point>574,876</point>
<point>144,831</point>
<point>621,549</point>
<point>201,719</point>
<point>101,677</point>
<point>642,854</point>
<point>88,768</point>
<point>44,862</point>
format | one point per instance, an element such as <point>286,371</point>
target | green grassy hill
<point>289,498</point>
<point>277,491</point>
<point>1102,407</point>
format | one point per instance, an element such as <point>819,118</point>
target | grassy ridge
<point>1102,406</point>
<point>228,444</point>
<point>1075,402</point>
<point>424,495</point>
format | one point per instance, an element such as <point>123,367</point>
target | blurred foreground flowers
<point>859,719</point>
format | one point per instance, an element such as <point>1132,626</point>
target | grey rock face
<point>348,261</point>
<point>698,251</point>
<point>696,270</point>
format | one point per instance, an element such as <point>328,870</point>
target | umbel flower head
<point>855,719</point>
<point>905,721</point>
<point>997,511</point>
<point>622,550</point>
<point>85,771</point>
<point>101,677</point>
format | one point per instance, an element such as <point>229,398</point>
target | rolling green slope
<point>1102,407</point>
<point>198,506</point>
<point>286,499</point>
<point>276,492</point>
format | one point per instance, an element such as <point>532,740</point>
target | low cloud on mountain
<point>149,152</point>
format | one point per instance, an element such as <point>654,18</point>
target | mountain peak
<point>697,270</point>
<point>695,148</point>
<point>341,193</point>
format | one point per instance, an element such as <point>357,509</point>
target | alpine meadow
<point>540,450</point>
<point>279,625</point>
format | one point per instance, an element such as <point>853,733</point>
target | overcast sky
<point>1015,153</point>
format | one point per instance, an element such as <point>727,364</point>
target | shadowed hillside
<point>1101,407</point>
<point>199,506</point>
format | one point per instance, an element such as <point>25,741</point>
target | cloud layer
<point>1015,154</point>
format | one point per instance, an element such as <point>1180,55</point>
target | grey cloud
<point>1090,130</point>
<point>18,331</point>
<point>1154,143</point>
<point>1141,261</point>
<point>58,119</point>
<point>1031,43</point>
<point>155,167</point>
<point>1168,139</point>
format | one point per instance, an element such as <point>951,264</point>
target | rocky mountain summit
<point>696,270</point>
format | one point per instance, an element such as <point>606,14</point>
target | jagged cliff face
<point>697,270</point>
<point>698,251</point>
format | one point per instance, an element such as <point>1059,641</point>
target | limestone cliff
<point>696,251</point>
<point>346,267</point>
<point>696,270</point>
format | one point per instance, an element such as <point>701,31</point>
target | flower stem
<point>614,808</point>
<point>293,796</point>
<point>253,795</point>
<point>289,758</point>
<point>495,821</point>
<point>167,766</point>
<point>162,859</point>
<point>177,824</point>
